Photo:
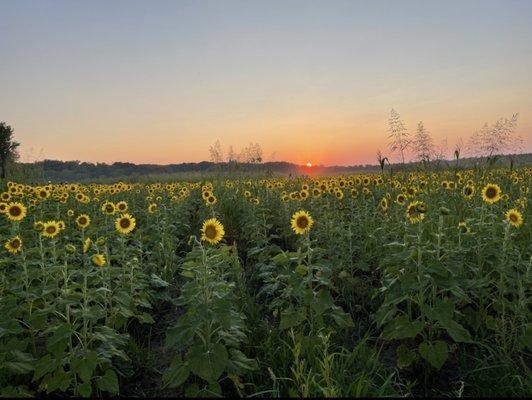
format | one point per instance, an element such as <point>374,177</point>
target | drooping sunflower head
<point>125,224</point>
<point>87,244</point>
<point>383,204</point>
<point>83,221</point>
<point>212,231</point>
<point>15,211</point>
<point>463,227</point>
<point>98,260</point>
<point>491,193</point>
<point>514,217</point>
<point>415,212</point>
<point>14,245</point>
<point>38,226</point>
<point>301,222</point>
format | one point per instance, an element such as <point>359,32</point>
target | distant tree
<point>493,140</point>
<point>231,155</point>
<point>382,160</point>
<point>251,154</point>
<point>422,144</point>
<point>216,152</point>
<point>8,148</point>
<point>398,134</point>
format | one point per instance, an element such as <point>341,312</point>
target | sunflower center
<point>491,193</point>
<point>83,220</point>
<point>513,217</point>
<point>125,223</point>
<point>302,222</point>
<point>210,231</point>
<point>15,211</point>
<point>15,243</point>
<point>51,229</point>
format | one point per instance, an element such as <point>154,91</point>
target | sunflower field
<point>411,284</point>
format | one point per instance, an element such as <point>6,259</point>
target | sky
<point>161,81</point>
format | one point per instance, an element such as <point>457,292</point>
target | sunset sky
<point>161,81</point>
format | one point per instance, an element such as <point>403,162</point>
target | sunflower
<point>15,211</point>
<point>3,208</point>
<point>211,200</point>
<point>463,228</point>
<point>38,226</point>
<point>108,208</point>
<point>50,229</point>
<point>339,194</point>
<point>70,213</point>
<point>121,206</point>
<point>384,204</point>
<point>152,208</point>
<point>212,231</point>
<point>301,222</point>
<point>491,193</point>
<point>87,244</point>
<point>125,224</point>
<point>98,260</point>
<point>415,212</point>
<point>83,221</point>
<point>14,245</point>
<point>514,217</point>
<point>468,191</point>
<point>400,199</point>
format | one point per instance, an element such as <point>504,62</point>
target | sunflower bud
<point>444,211</point>
<point>70,248</point>
<point>301,270</point>
<point>101,241</point>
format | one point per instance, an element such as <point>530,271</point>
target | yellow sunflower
<point>108,208</point>
<point>98,260</point>
<point>415,212</point>
<point>468,191</point>
<point>301,222</point>
<point>384,204</point>
<point>3,208</point>
<point>491,193</point>
<point>212,231</point>
<point>50,229</point>
<point>15,211</point>
<point>152,208</point>
<point>87,244</point>
<point>121,206</point>
<point>125,224</point>
<point>463,228</point>
<point>514,217</point>
<point>211,200</point>
<point>83,221</point>
<point>14,245</point>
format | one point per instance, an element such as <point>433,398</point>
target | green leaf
<point>43,366</point>
<point>208,363</point>
<point>405,356</point>
<point>85,389</point>
<point>85,366</point>
<point>402,328</point>
<point>434,352</point>
<point>238,363</point>
<point>59,340</point>
<point>291,318</point>
<point>108,382</point>
<point>176,374</point>
<point>457,332</point>
<point>322,302</point>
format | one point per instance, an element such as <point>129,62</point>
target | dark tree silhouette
<point>8,148</point>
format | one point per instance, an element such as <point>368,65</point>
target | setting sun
<point>309,164</point>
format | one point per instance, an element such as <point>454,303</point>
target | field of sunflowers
<point>408,284</point>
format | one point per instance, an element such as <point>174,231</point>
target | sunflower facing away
<point>98,260</point>
<point>301,222</point>
<point>152,208</point>
<point>14,245</point>
<point>514,217</point>
<point>125,224</point>
<point>212,231</point>
<point>87,244</point>
<point>83,221</point>
<point>491,193</point>
<point>15,211</point>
